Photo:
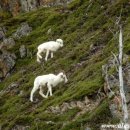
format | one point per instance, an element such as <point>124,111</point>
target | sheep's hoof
<point>45,59</point>
<point>31,100</point>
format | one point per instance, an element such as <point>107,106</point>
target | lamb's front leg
<point>50,89</point>
<point>47,54</point>
<point>39,56</point>
<point>41,93</point>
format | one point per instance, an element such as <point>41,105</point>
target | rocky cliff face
<point>16,6</point>
<point>7,59</point>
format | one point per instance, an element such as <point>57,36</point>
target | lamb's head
<point>60,41</point>
<point>63,77</point>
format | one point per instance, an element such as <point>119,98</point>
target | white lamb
<point>51,46</point>
<point>48,81</point>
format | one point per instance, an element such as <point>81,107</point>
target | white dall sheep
<point>48,81</point>
<point>51,46</point>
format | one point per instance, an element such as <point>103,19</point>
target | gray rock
<point>7,62</point>
<point>80,105</point>
<point>113,81</point>
<point>23,51</point>
<point>20,127</point>
<point>8,43</point>
<point>73,104</point>
<point>86,100</point>
<point>28,5</point>
<point>24,30</point>
<point>65,107</point>
<point>114,108</point>
<point>12,86</point>
<point>2,32</point>
<point>55,110</point>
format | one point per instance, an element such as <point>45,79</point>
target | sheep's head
<point>63,77</point>
<point>60,41</point>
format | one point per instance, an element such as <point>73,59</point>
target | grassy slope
<point>78,31</point>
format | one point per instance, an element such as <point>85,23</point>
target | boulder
<point>8,43</point>
<point>12,88</point>
<point>114,108</point>
<point>73,104</point>
<point>80,104</point>
<point>64,107</point>
<point>7,62</point>
<point>23,51</point>
<point>20,127</point>
<point>28,5</point>
<point>86,100</point>
<point>55,110</point>
<point>24,30</point>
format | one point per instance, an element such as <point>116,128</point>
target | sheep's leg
<point>47,54</point>
<point>41,93</point>
<point>50,89</point>
<point>47,93</point>
<point>39,56</point>
<point>35,88</point>
<point>51,54</point>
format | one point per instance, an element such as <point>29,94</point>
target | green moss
<point>74,4</point>
<point>4,15</point>
<point>93,119</point>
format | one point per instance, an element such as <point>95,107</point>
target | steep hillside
<point>85,28</point>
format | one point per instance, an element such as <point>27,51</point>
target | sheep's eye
<point>62,76</point>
